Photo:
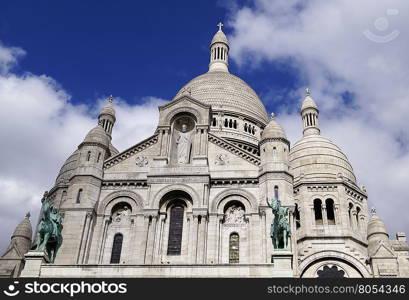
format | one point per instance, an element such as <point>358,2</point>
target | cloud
<point>40,128</point>
<point>360,85</point>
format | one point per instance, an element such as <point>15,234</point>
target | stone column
<point>159,238</point>
<point>263,234</point>
<point>324,215</point>
<point>255,239</point>
<point>212,235</point>
<point>103,239</point>
<point>201,239</point>
<point>96,244</point>
<point>193,239</point>
<point>353,217</point>
<point>151,240</point>
<point>86,239</point>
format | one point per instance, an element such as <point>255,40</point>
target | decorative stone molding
<point>126,184</point>
<point>136,204</point>
<point>130,152</point>
<point>234,149</point>
<point>236,181</point>
<point>141,161</point>
<point>247,199</point>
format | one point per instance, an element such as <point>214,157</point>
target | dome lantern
<point>219,52</point>
<point>309,114</point>
<point>107,116</point>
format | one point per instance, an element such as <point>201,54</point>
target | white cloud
<point>40,128</point>
<point>324,42</point>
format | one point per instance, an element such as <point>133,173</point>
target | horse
<point>280,228</point>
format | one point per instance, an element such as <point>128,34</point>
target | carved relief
<point>121,215</point>
<point>234,215</point>
<point>221,159</point>
<point>141,161</point>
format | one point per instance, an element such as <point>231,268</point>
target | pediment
<point>383,251</point>
<point>185,104</point>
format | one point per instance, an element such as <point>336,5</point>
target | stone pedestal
<point>282,263</point>
<point>34,261</point>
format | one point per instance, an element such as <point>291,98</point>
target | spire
<point>106,117</point>
<point>309,114</point>
<point>219,51</point>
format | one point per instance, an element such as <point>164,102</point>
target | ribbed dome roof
<point>220,37</point>
<point>273,130</point>
<point>68,167</point>
<point>24,229</point>
<point>317,158</point>
<point>108,109</point>
<point>97,135</point>
<point>308,103</point>
<point>376,226</point>
<point>224,91</point>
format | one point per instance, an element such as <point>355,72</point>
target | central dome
<point>228,93</point>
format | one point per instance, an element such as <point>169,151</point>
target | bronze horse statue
<point>48,236</point>
<point>280,228</point>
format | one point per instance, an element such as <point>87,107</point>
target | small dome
<point>317,158</point>
<point>220,37</point>
<point>24,229</point>
<point>273,130</point>
<point>68,167</point>
<point>97,135</point>
<point>377,226</point>
<point>108,110</point>
<point>308,103</point>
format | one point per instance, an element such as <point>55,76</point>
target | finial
<point>28,215</point>
<point>373,211</point>
<point>110,99</point>
<point>220,25</point>
<point>272,115</point>
<point>307,92</point>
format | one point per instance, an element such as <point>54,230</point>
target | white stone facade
<point>238,158</point>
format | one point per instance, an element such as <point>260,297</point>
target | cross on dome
<point>110,99</point>
<point>220,25</point>
<point>307,92</point>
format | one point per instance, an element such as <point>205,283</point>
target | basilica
<point>194,198</point>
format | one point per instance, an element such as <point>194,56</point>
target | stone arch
<point>247,199</point>
<point>172,198</point>
<point>113,198</point>
<point>176,187</point>
<point>184,110</point>
<point>333,255</point>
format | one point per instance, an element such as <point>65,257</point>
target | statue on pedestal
<point>48,237</point>
<point>280,228</point>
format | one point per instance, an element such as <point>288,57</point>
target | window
<point>225,123</point>
<point>318,211</point>
<point>331,272</point>
<point>88,155</point>
<point>358,211</point>
<point>350,214</point>
<point>175,230</point>
<point>235,124</point>
<point>297,217</point>
<point>79,195</point>
<point>329,203</point>
<point>116,249</point>
<point>214,122</point>
<point>231,123</point>
<point>234,248</point>
<point>245,127</point>
<point>99,157</point>
<point>276,192</point>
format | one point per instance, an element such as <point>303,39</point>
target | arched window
<point>253,130</point>
<point>99,157</point>
<point>234,248</point>
<point>116,249</point>
<point>225,123</point>
<point>245,127</point>
<point>318,211</point>
<point>358,211</point>
<point>231,123</point>
<point>79,195</point>
<point>175,230</point>
<point>297,217</point>
<point>329,204</point>
<point>214,122</point>
<point>350,213</point>
<point>276,192</point>
<point>235,124</point>
<point>88,155</point>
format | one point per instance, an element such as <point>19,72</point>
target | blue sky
<point>95,48</point>
<point>59,60</point>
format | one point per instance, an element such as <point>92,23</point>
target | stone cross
<point>220,26</point>
<point>110,99</point>
<point>307,91</point>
